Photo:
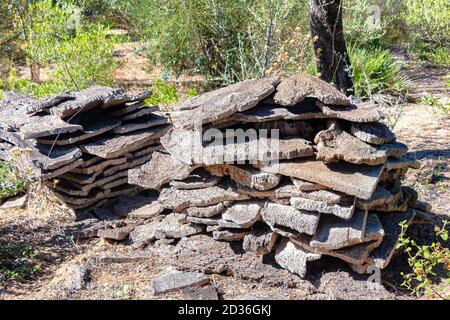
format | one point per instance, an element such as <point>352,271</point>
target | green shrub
<point>438,106</point>
<point>375,71</point>
<point>225,40</point>
<point>163,94</point>
<point>18,262</point>
<point>428,20</point>
<point>13,83</point>
<point>192,92</point>
<point>79,53</point>
<point>85,59</point>
<point>424,260</point>
<point>187,34</point>
<point>360,24</point>
<point>431,52</point>
<point>429,29</point>
<point>10,40</point>
<point>11,183</point>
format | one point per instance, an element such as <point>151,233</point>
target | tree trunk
<point>333,62</point>
<point>35,70</point>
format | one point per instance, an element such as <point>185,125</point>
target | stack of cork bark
<point>324,179</point>
<point>81,144</point>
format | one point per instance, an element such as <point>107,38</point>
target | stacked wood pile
<point>81,144</point>
<point>327,181</point>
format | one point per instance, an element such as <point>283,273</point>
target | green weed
<point>163,94</point>
<point>18,262</point>
<point>11,183</point>
<point>424,260</point>
<point>375,71</point>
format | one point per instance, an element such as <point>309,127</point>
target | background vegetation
<point>225,41</point>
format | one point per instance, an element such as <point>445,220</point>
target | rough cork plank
<point>334,233</point>
<point>152,120</point>
<point>293,90</point>
<point>294,258</point>
<point>48,125</point>
<point>53,158</point>
<point>362,112</point>
<point>177,280</point>
<point>276,215</point>
<point>90,130</point>
<point>85,100</point>
<point>122,144</point>
<point>343,210</point>
<point>334,145</point>
<point>220,104</point>
<point>100,166</point>
<point>303,111</point>
<point>186,145</point>
<point>375,132</point>
<point>161,169</point>
<point>246,175</point>
<point>178,200</point>
<point>356,180</point>
<point>198,179</point>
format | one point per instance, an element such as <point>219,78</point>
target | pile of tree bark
<point>81,144</point>
<point>324,179</point>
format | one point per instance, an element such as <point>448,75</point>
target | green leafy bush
<point>85,59</point>
<point>225,40</point>
<point>11,183</point>
<point>428,20</point>
<point>437,104</point>
<point>18,262</point>
<point>80,53</point>
<point>424,260</point>
<point>24,85</point>
<point>163,94</point>
<point>360,21</point>
<point>192,92</point>
<point>429,29</point>
<point>431,52</point>
<point>187,34</point>
<point>375,71</point>
<point>56,35</point>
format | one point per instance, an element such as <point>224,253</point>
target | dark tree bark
<point>333,62</point>
<point>35,70</point>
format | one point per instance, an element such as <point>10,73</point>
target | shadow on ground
<point>29,251</point>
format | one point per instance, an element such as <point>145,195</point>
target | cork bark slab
<point>220,104</point>
<point>291,91</point>
<point>122,144</point>
<point>356,180</point>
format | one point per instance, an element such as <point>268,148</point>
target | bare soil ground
<point>79,270</point>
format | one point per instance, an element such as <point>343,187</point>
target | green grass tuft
<point>376,72</point>
<point>11,183</point>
